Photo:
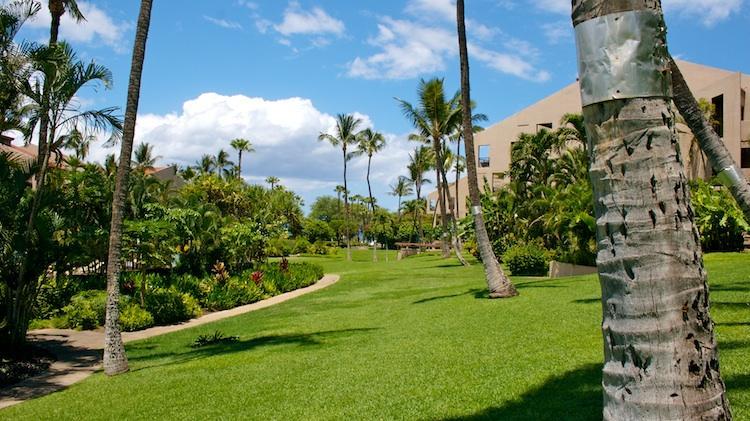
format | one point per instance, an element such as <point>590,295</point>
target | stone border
<point>79,353</point>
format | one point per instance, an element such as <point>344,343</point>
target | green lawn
<point>415,339</point>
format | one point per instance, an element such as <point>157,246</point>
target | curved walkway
<point>79,353</point>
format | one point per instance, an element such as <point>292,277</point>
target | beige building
<point>727,90</point>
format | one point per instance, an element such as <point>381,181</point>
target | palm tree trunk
<point>369,188</point>
<point>56,10</point>
<point>453,226</point>
<point>709,141</point>
<point>444,244</point>
<point>346,212</point>
<point>417,219</point>
<point>458,173</point>
<point>239,165</point>
<point>660,352</point>
<point>498,284</point>
<point>115,359</point>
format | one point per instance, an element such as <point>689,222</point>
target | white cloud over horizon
<point>227,24</point>
<point>316,21</point>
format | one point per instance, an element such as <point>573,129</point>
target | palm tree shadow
<point>575,395</point>
<point>227,347</point>
<point>478,293</point>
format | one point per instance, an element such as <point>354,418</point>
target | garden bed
<point>30,362</point>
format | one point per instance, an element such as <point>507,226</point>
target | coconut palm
<point>222,164</point>
<point>345,135</point>
<point>339,191</point>
<point>57,8</point>
<point>143,156</point>
<point>420,161</point>
<point>115,360</point>
<point>241,145</point>
<point>660,351</point>
<point>205,165</point>
<point>498,284</point>
<point>272,181</point>
<point>403,187</point>
<point>369,143</point>
<point>435,118</point>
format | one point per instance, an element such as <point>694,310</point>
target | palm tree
<point>206,164</point>
<point>435,118</point>
<point>241,145</point>
<point>403,187</point>
<point>660,352</point>
<point>345,134</point>
<point>273,181</point>
<point>115,360</point>
<point>222,164</point>
<point>339,191</point>
<point>421,161</point>
<point>144,156</point>
<point>369,143</point>
<point>57,8</point>
<point>498,284</point>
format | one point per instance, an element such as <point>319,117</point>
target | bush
<point>527,260</point>
<point>86,310</point>
<point>471,247</point>
<point>133,317</point>
<point>280,247</point>
<point>717,217</point>
<point>169,306</point>
<point>301,246</point>
<point>235,292</point>
<point>321,248</point>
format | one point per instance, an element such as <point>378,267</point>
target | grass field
<point>415,339</point>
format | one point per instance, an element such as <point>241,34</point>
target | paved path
<point>79,353</point>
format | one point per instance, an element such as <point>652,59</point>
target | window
<point>743,100</point>
<point>718,103</point>
<point>543,126</point>
<point>745,158</point>
<point>484,156</point>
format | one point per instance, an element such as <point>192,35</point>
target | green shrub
<point>301,246</point>
<point>471,247</point>
<point>527,260</point>
<point>320,247</point>
<point>133,318</point>
<point>717,217</point>
<point>169,306</point>
<point>191,285</point>
<point>280,247</point>
<point>235,292</point>
<point>86,310</point>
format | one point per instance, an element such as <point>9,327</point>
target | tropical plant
<point>143,157</point>
<point>115,359</point>
<point>369,142</point>
<point>241,145</point>
<point>205,165</point>
<point>403,187</point>
<point>498,284</point>
<point>222,165</point>
<point>272,181</point>
<point>660,352</point>
<point>344,135</point>
<point>435,118</point>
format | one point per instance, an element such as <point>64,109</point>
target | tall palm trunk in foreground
<point>661,359</point>
<point>115,360</point>
<point>498,284</point>
<point>710,142</point>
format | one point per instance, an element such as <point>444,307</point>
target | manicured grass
<point>415,339</point>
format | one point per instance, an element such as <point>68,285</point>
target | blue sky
<point>277,72</point>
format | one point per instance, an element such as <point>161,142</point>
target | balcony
<point>484,162</point>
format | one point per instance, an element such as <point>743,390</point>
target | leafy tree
<point>345,135</point>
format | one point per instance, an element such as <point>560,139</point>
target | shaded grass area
<point>415,339</point>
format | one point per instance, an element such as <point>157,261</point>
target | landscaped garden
<point>410,339</point>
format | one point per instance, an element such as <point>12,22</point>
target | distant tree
<point>369,143</point>
<point>143,156</point>
<point>272,181</point>
<point>345,135</point>
<point>403,187</point>
<point>241,145</point>
<point>222,164</point>
<point>420,161</point>
<point>205,165</point>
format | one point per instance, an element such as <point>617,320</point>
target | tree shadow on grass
<point>575,395</point>
<point>474,291</point>
<point>732,345</point>
<point>596,300</point>
<point>223,348</point>
<point>729,288</point>
<point>730,305</point>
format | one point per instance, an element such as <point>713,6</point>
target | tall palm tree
<point>339,192</point>
<point>222,164</point>
<point>345,135</point>
<point>498,284</point>
<point>369,142</point>
<point>272,181</point>
<point>660,351</point>
<point>435,118</point>
<point>115,360</point>
<point>241,145</point>
<point>421,161</point>
<point>403,187</point>
<point>57,8</point>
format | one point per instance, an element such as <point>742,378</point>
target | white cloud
<point>98,26</point>
<point>223,22</point>
<point>708,11</point>
<point>408,49</point>
<point>316,22</point>
<point>444,9</point>
<point>285,136</point>
<point>556,32</point>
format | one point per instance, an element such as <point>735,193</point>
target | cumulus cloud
<point>408,49</point>
<point>556,32</point>
<point>98,26</point>
<point>284,133</point>
<point>312,22</point>
<point>708,11</point>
